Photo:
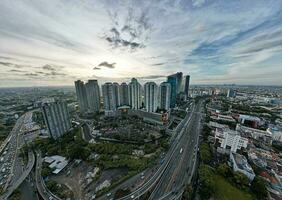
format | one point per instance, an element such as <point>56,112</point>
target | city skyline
<point>54,44</point>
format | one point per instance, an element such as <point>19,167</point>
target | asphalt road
<point>41,187</point>
<point>179,171</point>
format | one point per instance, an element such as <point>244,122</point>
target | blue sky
<point>215,41</point>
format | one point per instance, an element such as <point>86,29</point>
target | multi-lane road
<point>13,168</point>
<point>182,165</point>
<point>40,184</point>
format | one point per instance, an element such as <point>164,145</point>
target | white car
<point>109,194</point>
<point>132,196</point>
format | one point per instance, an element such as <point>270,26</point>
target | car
<point>132,196</point>
<point>109,194</point>
<point>142,177</point>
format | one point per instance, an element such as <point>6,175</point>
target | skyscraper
<point>117,93</point>
<point>179,76</point>
<point>134,94</point>
<point>124,96</point>
<point>187,84</point>
<point>93,95</point>
<point>56,117</point>
<point>109,98</point>
<point>151,96</point>
<point>164,95</point>
<point>81,95</point>
<point>172,81</point>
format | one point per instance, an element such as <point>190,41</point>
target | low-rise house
<point>253,133</point>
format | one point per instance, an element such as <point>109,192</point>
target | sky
<point>47,43</point>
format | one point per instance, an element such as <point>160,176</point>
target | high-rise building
<point>172,80</point>
<point>179,76</point>
<point>124,96</point>
<point>56,117</point>
<point>134,94</point>
<point>231,93</point>
<point>151,96</point>
<point>187,84</point>
<point>93,95</point>
<point>109,98</point>
<point>117,93</point>
<point>81,95</point>
<point>164,95</point>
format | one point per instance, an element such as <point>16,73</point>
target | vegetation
<point>259,189</point>
<point>225,191</point>
<point>207,182</point>
<point>70,145</point>
<point>205,153</point>
<point>121,193</point>
<point>60,190</point>
<point>16,195</point>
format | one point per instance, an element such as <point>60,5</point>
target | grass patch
<point>225,191</point>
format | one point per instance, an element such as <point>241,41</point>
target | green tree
<point>224,170</point>
<point>206,179</point>
<point>205,153</point>
<point>241,180</point>
<point>259,189</point>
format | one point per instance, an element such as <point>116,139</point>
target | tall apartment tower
<point>134,94</point>
<point>56,117</point>
<point>151,96</point>
<point>124,94</point>
<point>93,95</point>
<point>173,82</point>
<point>81,95</point>
<point>164,95</point>
<point>187,84</point>
<point>109,98</point>
<point>117,93</point>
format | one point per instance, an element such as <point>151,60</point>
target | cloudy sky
<point>215,41</point>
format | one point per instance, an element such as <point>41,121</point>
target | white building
<point>255,133</point>
<point>230,139</point>
<point>56,117</point>
<point>164,95</point>
<point>151,96</point>
<point>134,94</point>
<point>93,95</point>
<point>109,98</point>
<point>240,164</point>
<point>275,133</point>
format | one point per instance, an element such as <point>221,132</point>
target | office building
<point>81,95</point>
<point>56,117</point>
<point>151,96</point>
<point>230,140</point>
<point>134,94</point>
<point>164,95</point>
<point>109,98</point>
<point>186,85</point>
<point>179,77</point>
<point>93,95</point>
<point>231,93</point>
<point>173,82</point>
<point>124,95</point>
<point>116,93</point>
